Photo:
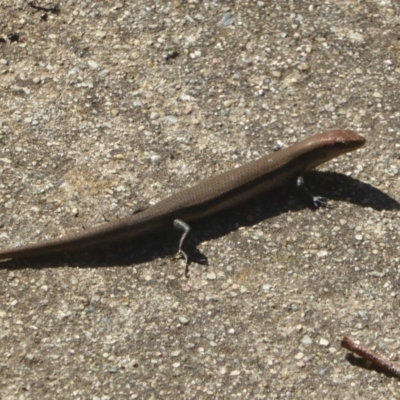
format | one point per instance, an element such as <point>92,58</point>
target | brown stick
<point>378,361</point>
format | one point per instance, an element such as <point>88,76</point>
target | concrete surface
<point>108,106</point>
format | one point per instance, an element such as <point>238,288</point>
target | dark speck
<point>171,55</point>
<point>13,37</point>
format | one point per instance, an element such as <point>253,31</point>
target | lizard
<point>218,193</point>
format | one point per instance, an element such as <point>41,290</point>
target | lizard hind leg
<point>183,226</point>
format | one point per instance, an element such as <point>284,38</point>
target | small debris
<point>53,8</point>
<point>228,19</point>
<point>171,55</point>
<point>13,37</point>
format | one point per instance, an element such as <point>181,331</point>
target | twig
<point>50,8</point>
<point>374,358</point>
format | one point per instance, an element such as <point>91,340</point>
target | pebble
<point>171,119</point>
<point>93,64</point>
<point>306,340</point>
<point>304,67</point>
<point>101,34</point>
<point>299,356</point>
<point>276,74</point>
<point>211,276</point>
<point>324,342</point>
<point>183,320</point>
<point>228,19</point>
<point>266,288</point>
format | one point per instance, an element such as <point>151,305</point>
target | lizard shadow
<point>331,185</point>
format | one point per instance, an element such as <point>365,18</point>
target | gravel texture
<point>108,106</point>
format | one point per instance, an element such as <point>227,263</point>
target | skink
<point>210,196</point>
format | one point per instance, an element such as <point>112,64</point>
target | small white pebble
<point>299,356</point>
<point>93,64</point>
<point>324,342</point>
<point>184,320</point>
<point>211,276</point>
<point>306,340</point>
